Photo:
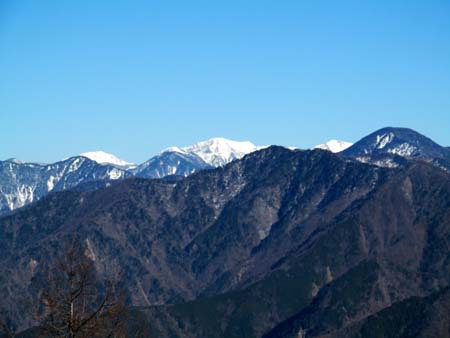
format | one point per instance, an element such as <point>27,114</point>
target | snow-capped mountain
<point>398,141</point>
<point>102,157</point>
<point>335,146</point>
<point>220,151</point>
<point>23,183</point>
<point>390,146</point>
<point>208,154</point>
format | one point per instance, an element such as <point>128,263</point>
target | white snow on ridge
<point>335,146</point>
<point>173,150</point>
<point>218,151</point>
<point>102,157</point>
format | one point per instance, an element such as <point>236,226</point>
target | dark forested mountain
<point>300,239</point>
<point>384,255</point>
<point>282,243</point>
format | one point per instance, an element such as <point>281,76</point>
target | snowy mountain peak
<point>220,151</point>
<point>207,154</point>
<point>401,142</point>
<point>335,146</point>
<point>102,157</point>
<point>172,150</point>
<point>217,151</point>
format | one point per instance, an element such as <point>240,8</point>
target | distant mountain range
<point>208,154</point>
<point>23,183</point>
<point>279,243</point>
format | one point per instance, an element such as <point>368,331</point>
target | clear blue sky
<point>133,77</point>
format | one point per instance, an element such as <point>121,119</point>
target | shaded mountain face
<point>389,146</point>
<point>212,153</point>
<point>277,243</point>
<point>413,317</point>
<point>170,163</point>
<point>382,251</point>
<point>176,240</point>
<point>24,183</point>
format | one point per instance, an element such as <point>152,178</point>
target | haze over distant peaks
<point>335,146</point>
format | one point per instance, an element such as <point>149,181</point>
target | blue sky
<point>133,77</point>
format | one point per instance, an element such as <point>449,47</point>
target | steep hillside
<point>303,240</point>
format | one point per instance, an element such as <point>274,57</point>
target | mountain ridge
<point>102,157</point>
<point>15,192</point>
<point>387,147</point>
<point>279,237</point>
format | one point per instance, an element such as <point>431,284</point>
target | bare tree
<point>74,304</point>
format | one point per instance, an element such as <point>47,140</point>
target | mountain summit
<point>212,153</point>
<point>218,151</point>
<point>102,157</point>
<point>335,146</point>
<point>403,142</point>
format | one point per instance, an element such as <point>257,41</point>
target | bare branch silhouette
<point>74,304</point>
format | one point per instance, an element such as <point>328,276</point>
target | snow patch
<point>102,157</point>
<point>404,149</point>
<point>335,146</point>
<point>115,174</point>
<point>383,140</point>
